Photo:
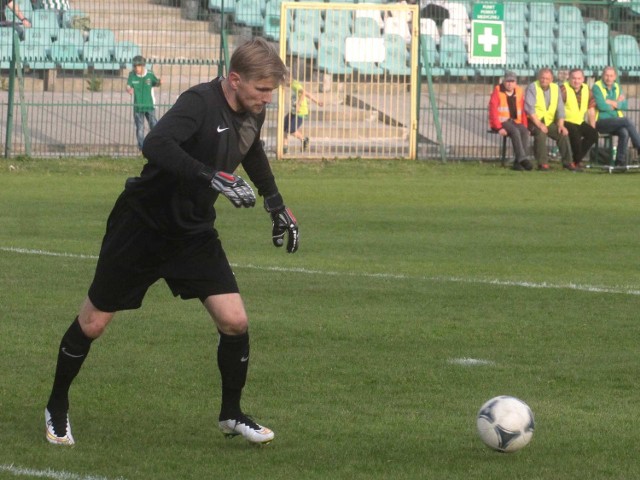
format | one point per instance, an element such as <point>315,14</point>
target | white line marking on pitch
<point>48,473</point>
<point>471,362</point>
<point>624,290</point>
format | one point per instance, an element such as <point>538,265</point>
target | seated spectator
<point>578,105</point>
<point>545,111</point>
<point>507,117</point>
<point>21,22</point>
<point>610,106</point>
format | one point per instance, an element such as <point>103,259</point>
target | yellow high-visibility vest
<point>573,112</point>
<point>544,113</point>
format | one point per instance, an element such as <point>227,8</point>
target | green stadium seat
<point>36,57</point>
<point>302,45</point>
<point>453,56</point>
<point>250,13</point>
<point>429,27</point>
<point>216,5</point>
<point>69,15</point>
<point>46,21</point>
<point>570,53</point>
<point>366,27</point>
<point>569,14</point>
<point>627,54</point>
<point>429,56</point>
<point>100,57</point>
<point>271,26</point>
<point>338,21</point>
<point>309,21</point>
<point>124,53</point>
<point>67,57</point>
<point>366,68</point>
<point>331,60</point>
<point>71,36</point>
<point>395,60</point>
<point>333,39</point>
<point>516,12</point>
<point>542,12</point>
<point>102,37</point>
<point>5,55</point>
<point>541,52</point>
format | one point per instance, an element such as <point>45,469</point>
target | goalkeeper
<point>162,227</point>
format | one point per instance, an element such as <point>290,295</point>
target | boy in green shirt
<point>140,84</point>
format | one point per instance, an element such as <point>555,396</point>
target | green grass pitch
<point>359,340</point>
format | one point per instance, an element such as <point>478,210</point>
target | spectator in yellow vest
<point>610,106</point>
<point>545,110</point>
<point>579,105</point>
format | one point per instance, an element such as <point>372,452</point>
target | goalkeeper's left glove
<point>283,222</point>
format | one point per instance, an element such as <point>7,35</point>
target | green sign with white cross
<point>487,34</point>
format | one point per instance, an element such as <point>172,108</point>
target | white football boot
<point>53,434</point>
<point>243,425</point>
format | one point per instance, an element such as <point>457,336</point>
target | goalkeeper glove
<point>234,188</point>
<point>283,222</point>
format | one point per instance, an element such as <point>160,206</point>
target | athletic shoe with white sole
<point>245,426</point>
<point>58,429</point>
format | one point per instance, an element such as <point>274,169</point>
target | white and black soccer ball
<point>505,423</point>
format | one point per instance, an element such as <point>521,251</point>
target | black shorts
<point>133,256</point>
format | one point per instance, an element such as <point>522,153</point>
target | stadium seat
<point>395,60</point>
<point>332,39</point>
<point>271,26</point>
<point>250,13</point>
<point>366,68</point>
<point>102,37</point>
<point>457,28</point>
<point>338,21</point>
<point>71,36</point>
<point>36,56</point>
<point>541,53</point>
<point>541,30</point>
<point>100,57</point>
<point>429,56</point>
<point>5,55</point>
<point>570,32</point>
<point>542,12</point>
<point>366,27</point>
<point>569,14</point>
<point>25,8</point>
<point>67,57</point>
<point>429,27</point>
<point>453,56</point>
<point>516,12</point>
<point>570,53</point>
<point>45,21</point>
<point>627,55</point>
<point>308,20</point>
<point>124,53</point>
<point>596,29</point>
<point>216,6</point>
<point>515,29</point>
<point>331,60</point>
<point>36,36</point>
<point>302,45</point>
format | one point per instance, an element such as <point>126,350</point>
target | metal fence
<point>69,94</point>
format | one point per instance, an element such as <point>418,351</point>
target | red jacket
<point>499,109</point>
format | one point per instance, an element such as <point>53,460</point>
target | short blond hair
<point>257,59</point>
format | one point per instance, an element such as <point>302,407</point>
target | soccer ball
<point>505,424</point>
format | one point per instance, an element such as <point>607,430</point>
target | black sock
<point>233,362</point>
<point>74,348</point>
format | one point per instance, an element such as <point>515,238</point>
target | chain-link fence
<point>69,94</point>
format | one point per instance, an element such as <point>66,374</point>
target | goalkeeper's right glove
<point>234,188</point>
<point>283,222</point>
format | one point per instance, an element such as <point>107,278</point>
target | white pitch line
<point>623,290</point>
<point>49,473</point>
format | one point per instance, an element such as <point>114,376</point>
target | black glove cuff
<point>274,203</point>
<point>206,173</point>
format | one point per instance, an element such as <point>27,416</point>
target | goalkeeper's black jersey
<point>200,133</point>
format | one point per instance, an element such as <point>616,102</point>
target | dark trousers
<point>519,135</point>
<point>581,137</point>
<point>540,144</point>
